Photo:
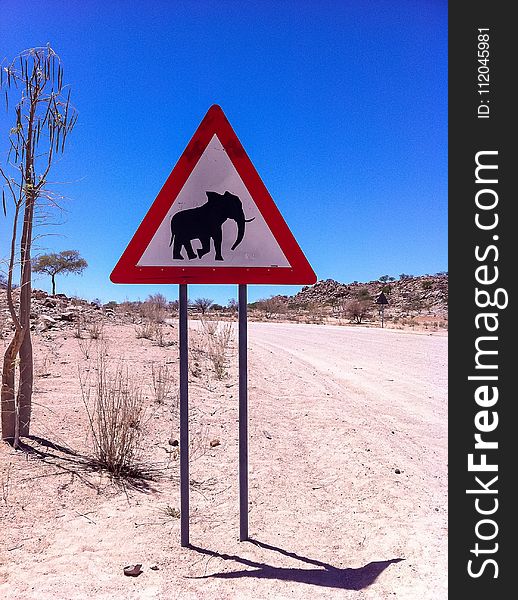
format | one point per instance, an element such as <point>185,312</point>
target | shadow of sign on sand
<point>325,575</point>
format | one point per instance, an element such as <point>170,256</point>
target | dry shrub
<point>95,329</point>
<point>160,337</point>
<point>43,366</point>
<point>171,511</point>
<point>85,345</point>
<point>358,310</point>
<point>78,329</point>
<point>146,330</point>
<point>271,306</point>
<point>114,405</point>
<point>154,309</point>
<point>151,330</point>
<point>130,310</point>
<point>218,336</point>
<point>209,328</point>
<point>163,383</point>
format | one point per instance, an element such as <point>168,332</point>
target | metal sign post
<point>243,416</point>
<point>184,416</point>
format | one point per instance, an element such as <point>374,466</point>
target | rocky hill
<point>425,295</point>
<point>59,311</point>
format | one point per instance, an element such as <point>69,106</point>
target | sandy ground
<point>348,474</point>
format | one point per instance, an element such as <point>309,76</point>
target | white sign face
<point>202,226</point>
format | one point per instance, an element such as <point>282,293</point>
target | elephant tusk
<point>249,220</point>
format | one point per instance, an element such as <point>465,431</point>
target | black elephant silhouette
<point>205,222</point>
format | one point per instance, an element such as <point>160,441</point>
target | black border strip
<point>469,134</point>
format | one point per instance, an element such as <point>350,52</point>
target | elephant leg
<point>190,251</point>
<point>217,237</point>
<point>205,247</point>
<point>177,247</point>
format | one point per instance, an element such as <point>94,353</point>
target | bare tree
<point>67,261</point>
<point>203,304</point>
<point>43,119</point>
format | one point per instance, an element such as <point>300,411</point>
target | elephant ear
<point>213,196</point>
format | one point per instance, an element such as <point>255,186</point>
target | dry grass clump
<point>171,511</point>
<point>95,329</point>
<point>150,330</point>
<point>163,383</point>
<point>85,346</point>
<point>159,336</point>
<point>114,405</point>
<point>218,337</point>
<point>146,330</point>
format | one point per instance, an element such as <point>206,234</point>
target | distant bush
<point>233,305</point>
<point>358,310</point>
<point>363,294</point>
<point>271,306</point>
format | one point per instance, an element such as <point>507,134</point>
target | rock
<point>49,303</point>
<point>67,316</point>
<point>215,442</point>
<point>133,570</point>
<point>266,434</point>
<point>39,294</point>
<point>173,442</point>
<point>397,471</point>
<point>45,322</point>
<point>154,567</point>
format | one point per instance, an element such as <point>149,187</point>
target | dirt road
<point>365,410</point>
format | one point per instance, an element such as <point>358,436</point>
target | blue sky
<point>342,107</point>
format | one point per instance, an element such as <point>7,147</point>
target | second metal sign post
<point>184,415</point>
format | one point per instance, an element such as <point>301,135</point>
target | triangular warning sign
<point>213,221</point>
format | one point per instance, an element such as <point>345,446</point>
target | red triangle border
<point>214,122</point>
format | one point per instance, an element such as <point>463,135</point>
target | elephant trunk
<point>240,220</point>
